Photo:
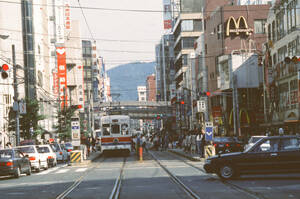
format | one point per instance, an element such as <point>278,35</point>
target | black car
<point>275,154</point>
<point>14,162</point>
<point>227,144</point>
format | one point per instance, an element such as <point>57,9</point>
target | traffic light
<point>181,102</point>
<point>205,94</point>
<point>4,68</point>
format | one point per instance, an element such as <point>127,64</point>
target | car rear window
<point>43,149</point>
<point>68,144</point>
<point>6,154</point>
<point>223,139</point>
<point>28,149</point>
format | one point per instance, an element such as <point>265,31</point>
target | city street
<point>145,179</point>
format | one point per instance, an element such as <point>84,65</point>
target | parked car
<point>275,154</point>
<point>37,160</point>
<point>47,151</point>
<point>61,153</point>
<point>227,144</point>
<point>13,162</point>
<point>253,140</point>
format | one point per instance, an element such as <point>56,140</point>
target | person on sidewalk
<point>202,144</point>
<point>193,144</point>
<point>198,142</point>
<point>88,146</point>
<point>144,144</point>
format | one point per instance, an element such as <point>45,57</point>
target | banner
<point>62,75</point>
<point>167,15</point>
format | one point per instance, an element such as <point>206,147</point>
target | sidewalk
<point>180,152</point>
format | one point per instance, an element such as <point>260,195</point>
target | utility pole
<point>164,67</point>
<point>16,95</point>
<point>205,80</point>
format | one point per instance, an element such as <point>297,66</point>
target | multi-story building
<point>233,33</point>
<point>187,28</point>
<point>10,34</point>
<point>151,88</point>
<point>165,70</point>
<point>142,93</point>
<point>281,63</point>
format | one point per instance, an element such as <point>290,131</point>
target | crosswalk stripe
<point>63,171</point>
<point>81,170</point>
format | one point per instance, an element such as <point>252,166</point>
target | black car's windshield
<point>6,154</point>
<point>223,139</point>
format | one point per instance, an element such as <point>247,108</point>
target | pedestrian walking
<point>198,142</point>
<point>193,144</point>
<point>202,144</point>
<point>88,146</point>
<point>144,144</point>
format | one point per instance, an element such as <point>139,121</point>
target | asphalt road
<point>145,179</point>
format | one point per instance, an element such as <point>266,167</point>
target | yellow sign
<point>237,26</point>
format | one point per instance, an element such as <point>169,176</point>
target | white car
<point>60,151</point>
<point>253,140</point>
<point>37,160</point>
<point>47,151</point>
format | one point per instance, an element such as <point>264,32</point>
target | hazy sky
<point>144,27</point>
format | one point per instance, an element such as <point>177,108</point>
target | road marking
<point>62,171</point>
<point>81,170</point>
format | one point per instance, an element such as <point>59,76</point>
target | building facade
<point>281,67</point>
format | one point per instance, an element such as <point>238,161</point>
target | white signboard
<point>75,126</point>
<point>201,106</point>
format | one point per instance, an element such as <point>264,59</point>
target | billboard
<point>167,15</point>
<point>62,75</point>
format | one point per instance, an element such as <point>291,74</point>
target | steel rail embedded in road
<point>116,190</point>
<point>186,189</point>
<point>250,193</point>
<point>75,184</point>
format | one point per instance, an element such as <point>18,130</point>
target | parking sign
<point>208,131</point>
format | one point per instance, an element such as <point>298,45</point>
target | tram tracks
<point>118,183</point>
<point>185,188</point>
<point>240,189</point>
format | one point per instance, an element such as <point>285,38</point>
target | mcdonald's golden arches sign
<point>237,26</point>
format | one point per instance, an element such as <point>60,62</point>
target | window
<point>188,42</point>
<point>290,144</point>
<point>187,25</point>
<point>184,60</point>
<point>106,129</point>
<point>259,26</point>
<point>115,128</point>
<point>269,145</point>
<point>197,25</point>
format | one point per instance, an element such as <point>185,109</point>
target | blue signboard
<point>208,131</point>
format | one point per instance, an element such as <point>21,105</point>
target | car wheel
<point>226,172</point>
<point>18,173</point>
<point>47,166</point>
<point>28,171</point>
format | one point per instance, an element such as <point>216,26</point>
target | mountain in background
<point>125,79</point>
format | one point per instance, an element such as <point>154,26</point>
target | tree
<point>63,127</point>
<point>28,120</point>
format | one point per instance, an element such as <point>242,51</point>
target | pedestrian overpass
<point>135,109</point>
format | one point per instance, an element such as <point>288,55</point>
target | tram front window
<point>115,129</point>
<point>106,129</point>
<point>124,129</point>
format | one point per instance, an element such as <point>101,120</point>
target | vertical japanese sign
<point>80,89</point>
<point>59,21</point>
<point>62,75</point>
<point>67,15</point>
<point>167,15</point>
<point>55,83</point>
